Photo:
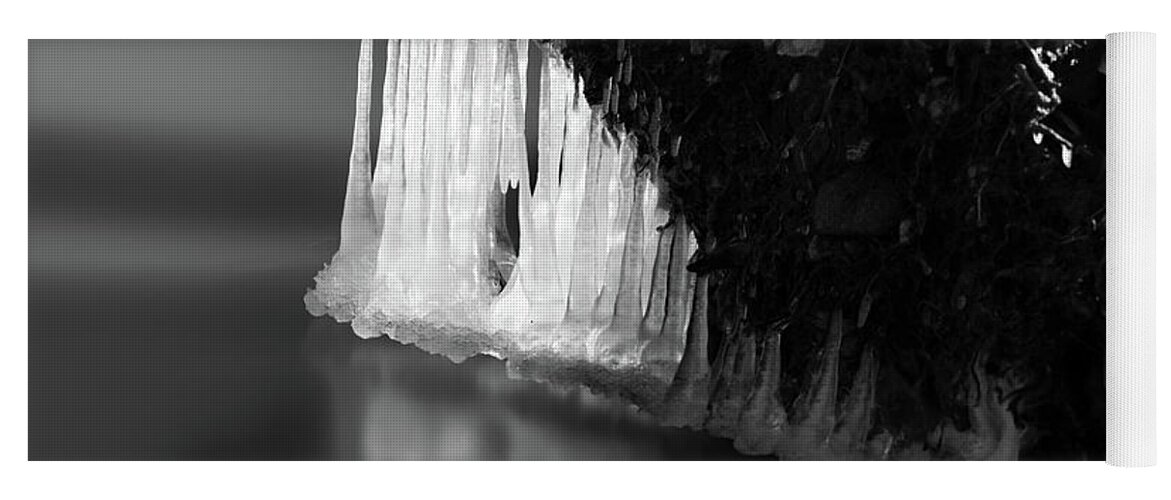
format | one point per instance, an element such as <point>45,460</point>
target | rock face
<point>857,203</point>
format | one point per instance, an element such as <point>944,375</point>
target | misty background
<point>180,200</point>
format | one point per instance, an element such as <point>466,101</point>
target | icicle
<point>458,106</point>
<point>522,64</point>
<point>614,217</point>
<point>652,321</point>
<point>858,410</point>
<point>764,419</point>
<point>615,99</point>
<point>477,169</point>
<point>511,311</point>
<point>668,346</point>
<point>359,230</point>
<point>572,183</point>
<point>733,384</point>
<point>653,218</point>
<point>384,172</point>
<point>685,403</point>
<point>585,283</point>
<point>391,165</point>
<point>433,276</point>
<point>467,188</point>
<point>627,68</point>
<point>570,203</point>
<point>657,216</point>
<point>389,283</point>
<point>819,405</point>
<point>546,291</point>
<point>621,338</point>
<point>413,217</point>
<point>692,279</point>
<point>655,128</point>
<point>483,161</point>
<point>512,83</point>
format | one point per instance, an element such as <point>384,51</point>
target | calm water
<point>188,364</point>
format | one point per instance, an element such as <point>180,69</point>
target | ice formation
<point>598,293</point>
<point>600,274</point>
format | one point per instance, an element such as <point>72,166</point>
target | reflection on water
<point>199,367</point>
<point>392,401</point>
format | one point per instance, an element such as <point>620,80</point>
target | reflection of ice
<point>594,277</point>
<point>390,401</point>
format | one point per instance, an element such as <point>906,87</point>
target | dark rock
<point>727,256</point>
<point>858,203</point>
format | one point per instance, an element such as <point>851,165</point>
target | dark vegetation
<point>948,196</point>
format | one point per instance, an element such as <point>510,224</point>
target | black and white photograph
<point>567,249</point>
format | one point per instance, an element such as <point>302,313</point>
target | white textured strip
<point>1130,237</point>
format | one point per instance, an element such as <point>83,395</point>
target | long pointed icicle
<point>434,275</point>
<point>392,168</point>
<point>389,178</point>
<point>572,202</point>
<point>468,226</point>
<point>547,293</point>
<point>511,93</point>
<point>821,406</point>
<point>652,218</point>
<point>512,147</point>
<point>859,407</point>
<point>662,237</point>
<point>483,156</point>
<point>384,173</point>
<point>459,104</point>
<point>764,419</point>
<point>668,346</point>
<point>686,401</point>
<point>358,223</point>
<point>584,281</point>
<point>656,311</point>
<point>621,338</point>
<point>522,64</point>
<point>615,213</point>
<point>512,311</point>
<point>413,222</point>
<point>733,384</point>
<point>572,186</point>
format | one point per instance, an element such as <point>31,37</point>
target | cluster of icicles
<point>600,275</point>
<point>600,279</point>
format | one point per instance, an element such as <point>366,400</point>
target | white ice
<point>594,277</point>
